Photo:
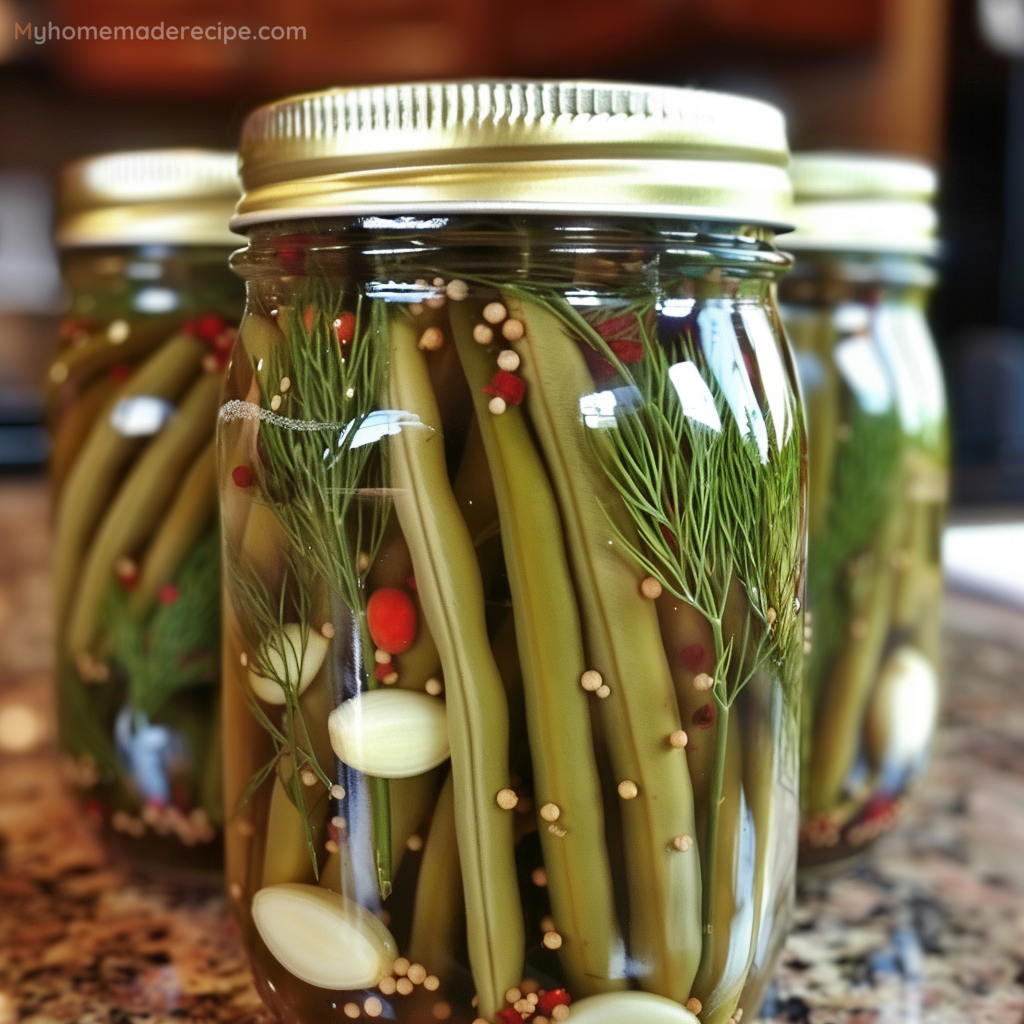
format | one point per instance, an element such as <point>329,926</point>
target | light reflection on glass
<point>694,395</point>
<point>598,409</point>
<point>920,387</point>
<point>773,373</point>
<point>722,351</point>
<point>677,307</point>
<point>156,300</point>
<point>377,424</point>
<point>141,415</point>
<point>858,361</point>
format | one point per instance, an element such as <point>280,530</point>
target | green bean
<point>236,445</point>
<point>719,993</point>
<point>286,856</point>
<point>438,913</point>
<point>190,515</point>
<point>550,641</point>
<point>761,758</point>
<point>75,367</point>
<point>73,429</point>
<point>410,803</point>
<point>684,628</point>
<point>106,454</point>
<point>840,719</point>
<point>506,657</point>
<point>624,645</point>
<point>448,581</point>
<point>132,515</point>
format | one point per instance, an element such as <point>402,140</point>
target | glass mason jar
<point>511,483</point>
<point>132,399</point>
<point>854,309</point>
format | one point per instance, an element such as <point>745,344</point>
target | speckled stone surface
<point>929,927</point>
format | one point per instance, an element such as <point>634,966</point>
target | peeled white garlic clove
<point>284,652</point>
<point>904,708</point>
<point>392,734</point>
<point>636,1007</point>
<point>323,938</point>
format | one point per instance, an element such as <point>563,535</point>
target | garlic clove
<point>641,1007</point>
<point>283,652</point>
<point>903,709</point>
<point>323,938</point>
<point>392,734</point>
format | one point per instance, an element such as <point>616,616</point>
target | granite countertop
<point>930,927</point>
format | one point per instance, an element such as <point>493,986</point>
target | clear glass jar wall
<point>513,512</point>
<point>878,486</point>
<point>133,395</point>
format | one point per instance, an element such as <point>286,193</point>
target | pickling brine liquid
<point>513,514</point>
<point>879,470</point>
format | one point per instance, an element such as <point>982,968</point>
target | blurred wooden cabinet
<point>380,40</point>
<point>865,73</point>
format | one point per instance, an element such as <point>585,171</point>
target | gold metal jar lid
<point>156,196</point>
<point>863,203</point>
<point>545,147</point>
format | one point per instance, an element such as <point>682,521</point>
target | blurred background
<point>938,79</point>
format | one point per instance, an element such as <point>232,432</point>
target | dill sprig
<point>177,646</point>
<point>709,506</point>
<point>326,486</point>
<point>262,618</point>
<point>325,489</point>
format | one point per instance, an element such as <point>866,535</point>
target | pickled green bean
<point>838,728</point>
<point>74,427</point>
<point>97,471</point>
<point>550,641</point>
<point>133,514</point>
<point>78,366</point>
<point>449,585</point>
<point>190,515</point>
<point>438,913</point>
<point>624,645</point>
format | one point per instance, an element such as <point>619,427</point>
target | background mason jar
<point>854,308</point>
<point>513,510</point>
<point>132,401</point>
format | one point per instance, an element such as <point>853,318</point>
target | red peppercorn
<point>617,326</point>
<point>507,386</point>
<point>168,594</point>
<point>628,351</point>
<point>242,475</point>
<point>307,319</point>
<point>208,327</point>
<point>692,657</point>
<point>127,573</point>
<point>381,672</point>
<point>291,254</point>
<point>547,1001</point>
<point>391,617</point>
<point>344,327</point>
<point>704,716</point>
<point>510,1015</point>
<point>120,372</point>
